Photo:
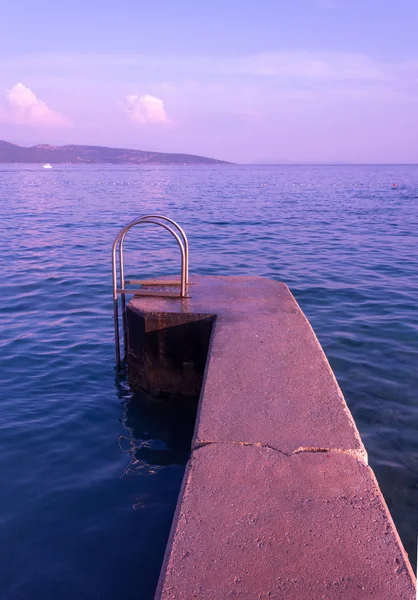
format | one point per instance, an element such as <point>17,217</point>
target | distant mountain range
<point>44,153</point>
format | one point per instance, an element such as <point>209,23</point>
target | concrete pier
<point>278,500</point>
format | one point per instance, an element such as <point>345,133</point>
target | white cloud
<point>24,108</point>
<point>146,109</point>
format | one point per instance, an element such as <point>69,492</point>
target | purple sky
<point>308,80</point>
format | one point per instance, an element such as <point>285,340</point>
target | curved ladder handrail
<point>120,237</point>
<point>162,217</point>
<point>184,262</point>
<point>149,219</point>
<point>121,265</point>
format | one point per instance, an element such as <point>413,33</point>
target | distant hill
<point>44,153</point>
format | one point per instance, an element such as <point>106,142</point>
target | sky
<point>249,82</point>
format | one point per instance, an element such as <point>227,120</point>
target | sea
<point>91,469</point>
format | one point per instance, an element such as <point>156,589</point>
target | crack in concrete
<point>360,455</point>
<point>202,443</point>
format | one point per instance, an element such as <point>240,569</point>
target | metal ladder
<point>181,239</point>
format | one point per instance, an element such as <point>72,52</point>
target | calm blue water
<point>89,474</point>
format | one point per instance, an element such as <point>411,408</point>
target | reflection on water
<point>158,431</point>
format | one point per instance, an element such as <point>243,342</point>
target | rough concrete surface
<point>278,501</point>
<point>255,524</point>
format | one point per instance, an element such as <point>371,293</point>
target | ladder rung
<point>149,293</point>
<point>152,282</point>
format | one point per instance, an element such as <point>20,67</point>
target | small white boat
<point>47,166</point>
